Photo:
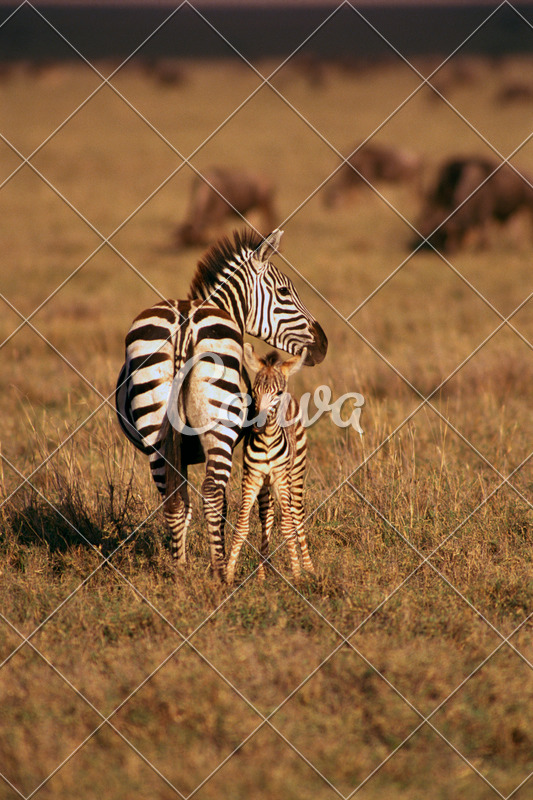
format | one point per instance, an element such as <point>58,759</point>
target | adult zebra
<point>235,290</point>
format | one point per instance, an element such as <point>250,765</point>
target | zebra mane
<point>210,266</point>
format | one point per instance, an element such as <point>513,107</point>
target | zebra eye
<point>283,291</point>
<point>278,394</point>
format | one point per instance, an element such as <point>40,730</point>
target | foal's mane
<point>271,359</point>
<point>210,266</point>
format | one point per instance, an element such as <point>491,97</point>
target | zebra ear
<point>293,364</point>
<point>251,359</point>
<point>270,245</point>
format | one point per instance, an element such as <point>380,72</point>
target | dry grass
<point>385,635</point>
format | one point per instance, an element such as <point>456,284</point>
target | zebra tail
<point>171,447</point>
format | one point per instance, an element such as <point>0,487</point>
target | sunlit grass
<point>413,487</point>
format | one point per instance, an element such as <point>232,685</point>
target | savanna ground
<point>137,680</point>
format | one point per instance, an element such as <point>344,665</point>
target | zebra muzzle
<point>316,351</point>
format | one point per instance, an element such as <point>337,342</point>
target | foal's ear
<point>270,245</point>
<point>293,364</point>
<point>251,359</point>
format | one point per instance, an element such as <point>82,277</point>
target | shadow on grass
<point>74,523</point>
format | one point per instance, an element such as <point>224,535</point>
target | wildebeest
<point>501,195</point>
<point>516,91</point>
<point>375,163</point>
<point>219,195</point>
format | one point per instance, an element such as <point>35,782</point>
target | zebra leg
<point>266,515</point>
<point>177,511</point>
<point>288,528</point>
<point>188,508</point>
<point>250,490</point>
<point>297,490</point>
<point>214,496</point>
<point>170,476</point>
<point>174,511</point>
<point>187,514</point>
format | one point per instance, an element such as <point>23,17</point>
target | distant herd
<point>466,195</point>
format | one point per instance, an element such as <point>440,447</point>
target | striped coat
<point>236,289</point>
<point>274,460</point>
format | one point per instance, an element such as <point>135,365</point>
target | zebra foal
<point>274,457</point>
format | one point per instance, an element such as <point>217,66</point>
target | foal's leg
<point>266,515</point>
<point>282,489</point>
<point>297,489</point>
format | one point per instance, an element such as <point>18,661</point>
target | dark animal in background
<point>221,194</point>
<point>517,91</point>
<point>502,193</point>
<point>166,71</point>
<point>374,163</point>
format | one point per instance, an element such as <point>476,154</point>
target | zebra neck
<point>223,297</point>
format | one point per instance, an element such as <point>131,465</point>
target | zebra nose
<point>316,352</point>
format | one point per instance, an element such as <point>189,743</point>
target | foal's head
<point>269,390</point>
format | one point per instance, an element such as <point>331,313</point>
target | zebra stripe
<point>274,460</point>
<point>235,290</point>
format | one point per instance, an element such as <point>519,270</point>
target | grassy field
<point>403,670</point>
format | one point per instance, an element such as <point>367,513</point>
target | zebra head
<point>239,277</point>
<point>275,312</point>
<point>269,391</point>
